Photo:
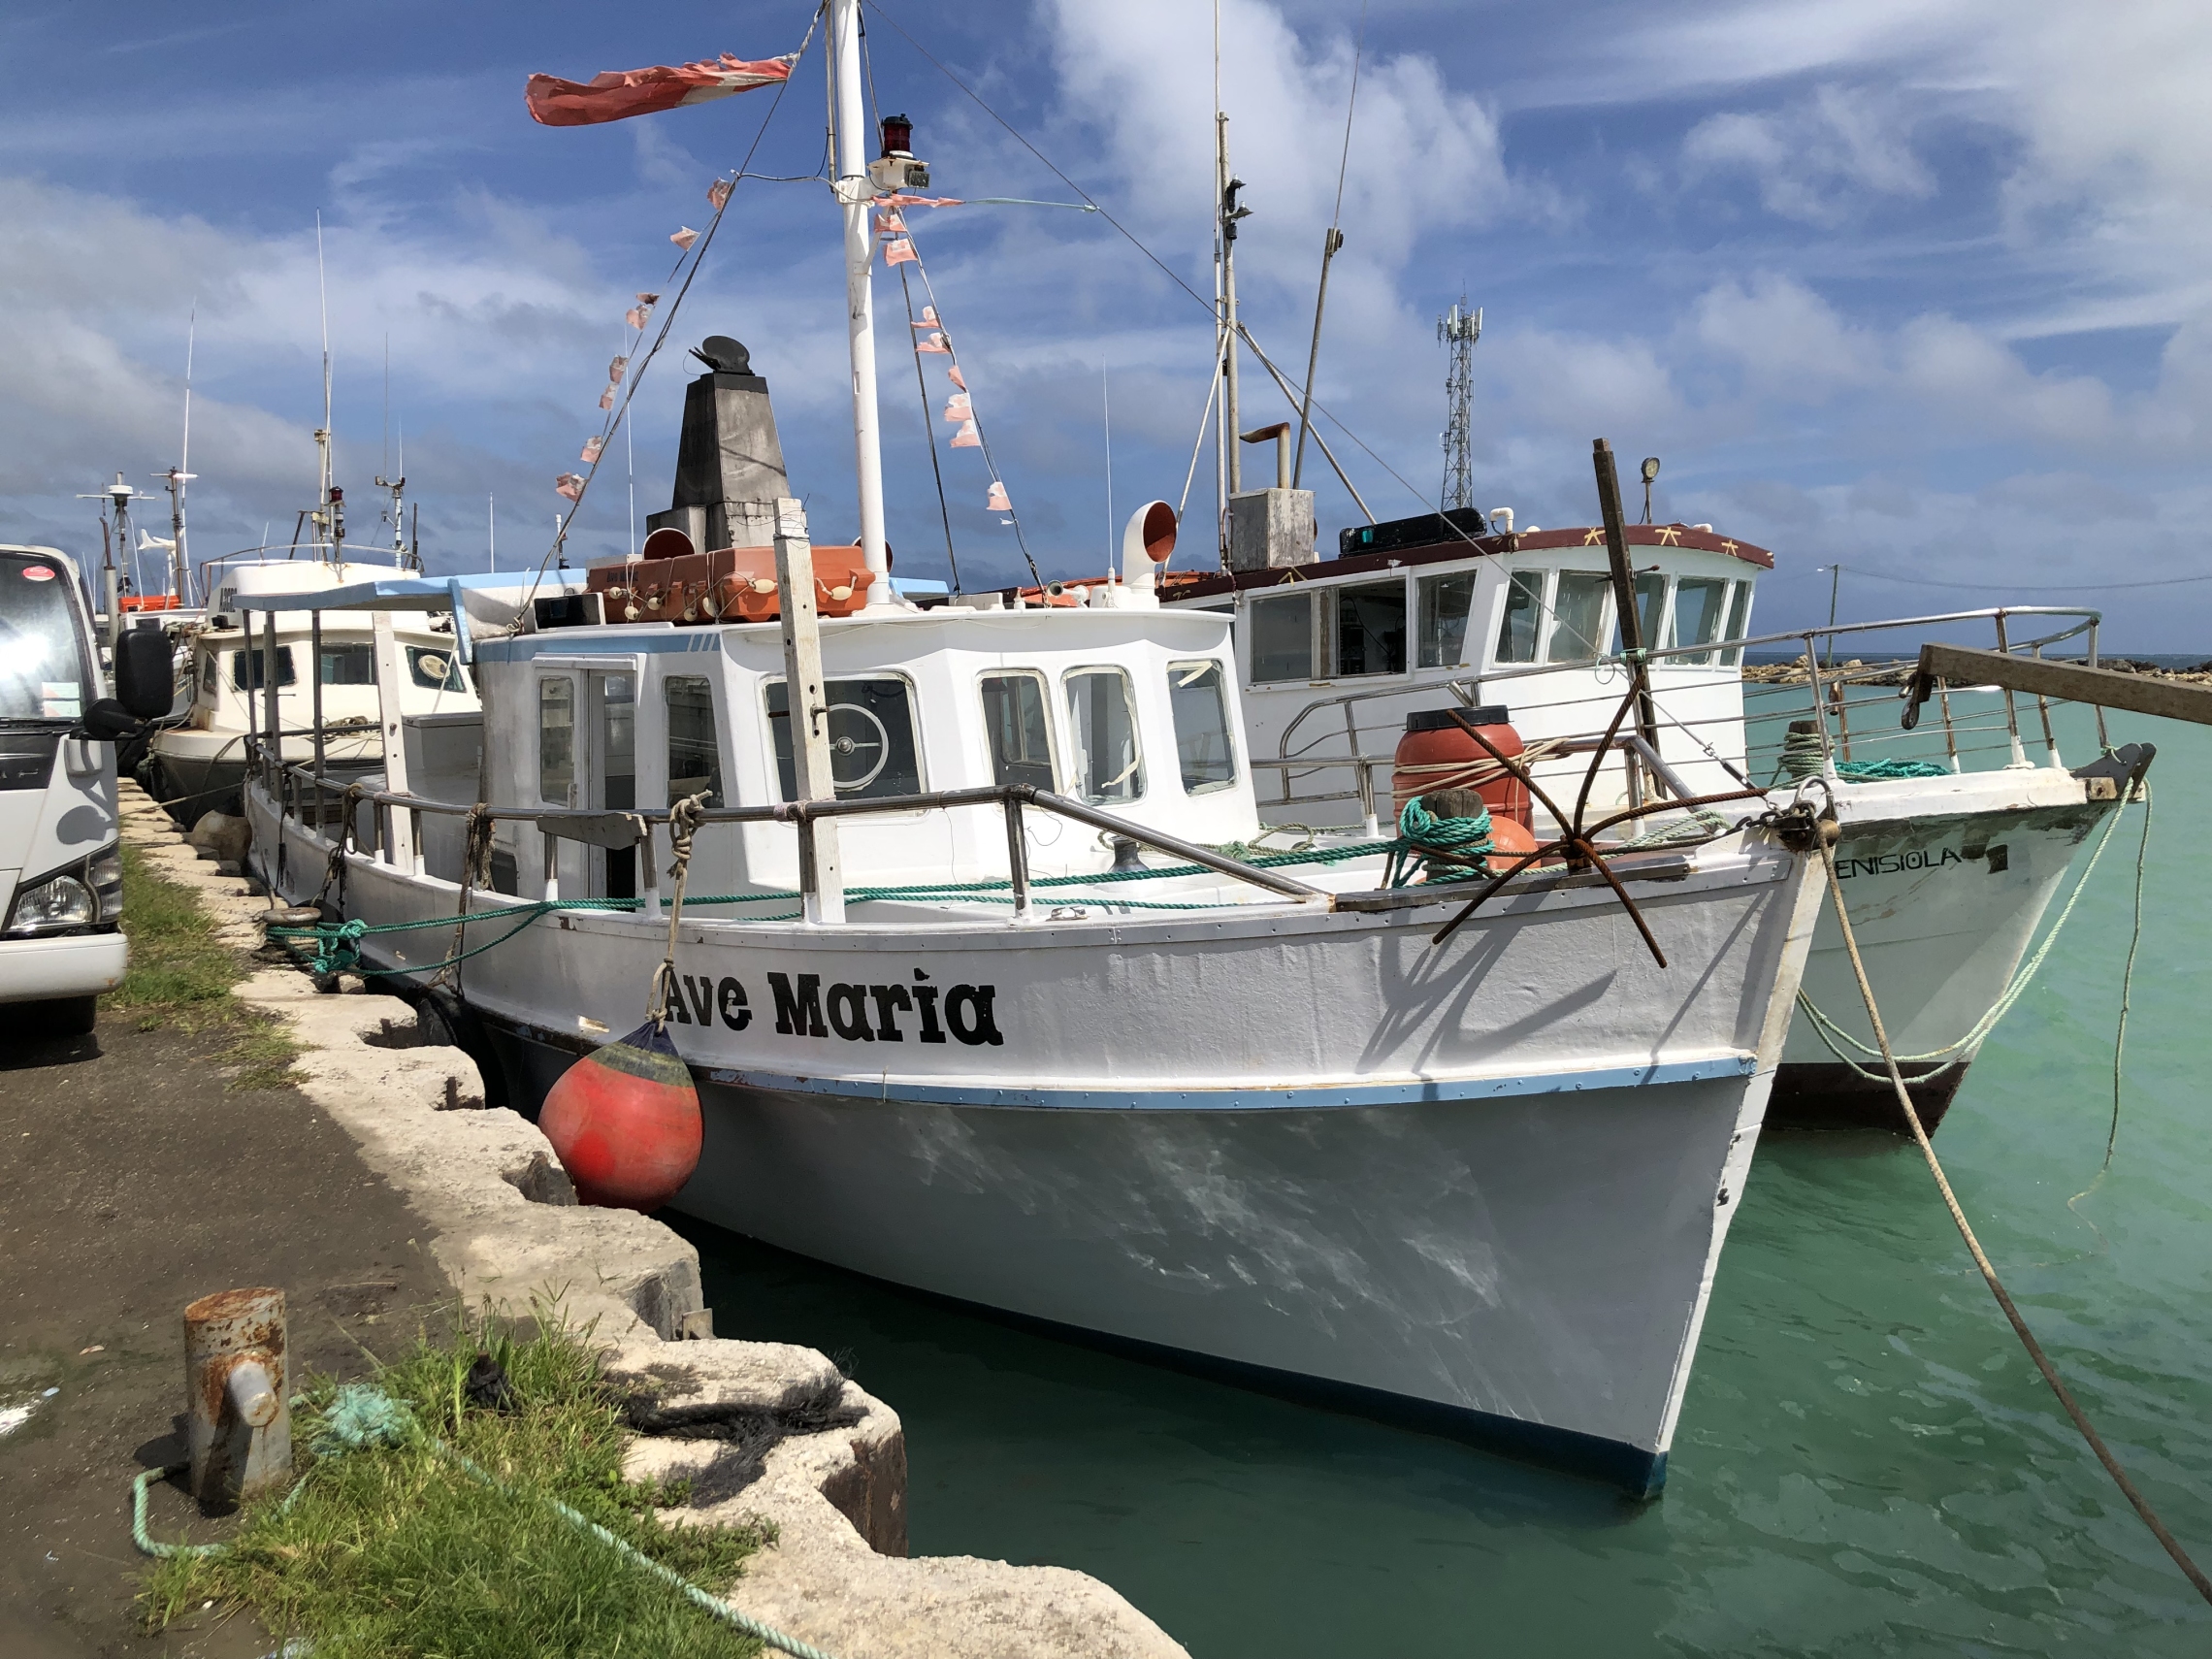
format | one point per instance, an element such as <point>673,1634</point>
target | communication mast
<point>1459,329</point>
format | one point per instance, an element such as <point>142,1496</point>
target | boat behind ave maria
<point>1022,1029</point>
<point>1957,836</point>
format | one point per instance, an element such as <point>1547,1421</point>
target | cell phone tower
<point>1459,329</point>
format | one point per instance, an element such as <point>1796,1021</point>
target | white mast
<point>854,190</point>
<point>325,516</point>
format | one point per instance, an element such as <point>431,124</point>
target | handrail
<point>1008,797</point>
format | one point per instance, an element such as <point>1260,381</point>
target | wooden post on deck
<point>390,677</point>
<point>806,701</point>
<point>1624,592</point>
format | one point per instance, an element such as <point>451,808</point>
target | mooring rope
<point>1830,834</point>
<point>683,825</point>
<point>1428,842</point>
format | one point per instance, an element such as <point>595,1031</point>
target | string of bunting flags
<point>935,339</point>
<point>616,96</point>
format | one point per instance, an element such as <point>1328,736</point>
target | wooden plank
<point>1961,665</point>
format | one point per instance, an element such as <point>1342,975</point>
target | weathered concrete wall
<point>768,1431</point>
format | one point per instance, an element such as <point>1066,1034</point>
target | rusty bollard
<point>241,1418</point>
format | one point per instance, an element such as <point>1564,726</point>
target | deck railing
<point>1830,700</point>
<point>292,786</point>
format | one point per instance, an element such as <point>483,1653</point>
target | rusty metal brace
<point>1576,841</point>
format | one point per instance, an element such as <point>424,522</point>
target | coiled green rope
<point>1427,843</point>
<point>1802,758</point>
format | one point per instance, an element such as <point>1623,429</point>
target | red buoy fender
<point>626,1123</point>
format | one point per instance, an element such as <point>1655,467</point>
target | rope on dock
<point>1830,832</point>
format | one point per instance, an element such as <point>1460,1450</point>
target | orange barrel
<point>1436,753</point>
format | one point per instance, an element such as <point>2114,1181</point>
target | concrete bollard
<point>239,1411</point>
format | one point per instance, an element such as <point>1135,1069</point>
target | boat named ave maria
<point>988,989</point>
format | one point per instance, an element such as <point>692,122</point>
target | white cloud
<point>1816,162</point>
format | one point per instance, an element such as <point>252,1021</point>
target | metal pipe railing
<point>1010,798</point>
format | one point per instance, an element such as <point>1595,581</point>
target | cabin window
<point>246,671</point>
<point>1109,765</point>
<point>1283,638</point>
<point>439,671</point>
<point>556,740</point>
<point>348,664</point>
<point>873,751</point>
<point>1194,692</point>
<point>1700,604</point>
<point>211,674</point>
<point>1021,738</point>
<point>1651,609</point>
<point>1371,628</point>
<point>1739,623</point>
<point>1579,615</point>
<point>1442,604</point>
<point>1518,627</point>
<point>695,749</point>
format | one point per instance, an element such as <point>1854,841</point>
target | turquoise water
<point>1867,1462</point>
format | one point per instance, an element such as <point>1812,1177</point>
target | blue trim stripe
<point>1250,1099</point>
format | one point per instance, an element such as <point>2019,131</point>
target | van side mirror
<point>107,722</point>
<point>146,676</point>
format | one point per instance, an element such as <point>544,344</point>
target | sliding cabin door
<point>611,781</point>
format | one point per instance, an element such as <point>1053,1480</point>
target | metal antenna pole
<point>1332,240</point>
<point>1459,329</point>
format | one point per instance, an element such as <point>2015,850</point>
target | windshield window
<point>1201,709</point>
<point>247,673</point>
<point>439,671</point>
<point>42,656</point>
<point>1107,763</point>
<point>1014,719</point>
<point>873,751</point>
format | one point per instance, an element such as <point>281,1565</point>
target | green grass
<point>181,977</point>
<point>394,1552</point>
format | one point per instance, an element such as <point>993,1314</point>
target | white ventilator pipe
<point>1148,543</point>
<point>854,191</point>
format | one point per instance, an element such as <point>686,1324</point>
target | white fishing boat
<point>324,678</point>
<point>977,1003</point>
<point>1955,837</point>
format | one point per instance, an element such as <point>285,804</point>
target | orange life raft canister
<point>1436,753</point>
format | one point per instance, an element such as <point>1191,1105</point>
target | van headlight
<point>51,905</point>
<point>107,873</point>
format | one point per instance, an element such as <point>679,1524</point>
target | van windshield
<point>43,668</point>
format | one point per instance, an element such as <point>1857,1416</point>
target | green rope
<point>1803,757</point>
<point>1881,771</point>
<point>363,1416</point>
<point>1427,844</point>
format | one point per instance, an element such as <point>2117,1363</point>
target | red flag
<point>997,500</point>
<point>618,93</point>
<point>684,238</point>
<point>967,438</point>
<point>718,193</point>
<point>899,252</point>
<point>569,485</point>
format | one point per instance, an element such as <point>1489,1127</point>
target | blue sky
<point>1920,287</point>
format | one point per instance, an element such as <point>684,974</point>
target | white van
<point>61,871</point>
